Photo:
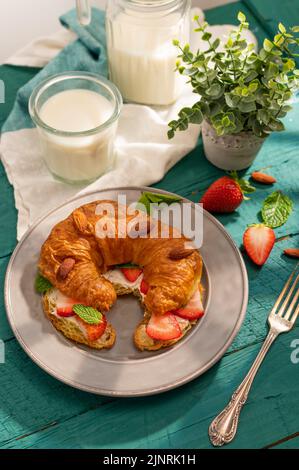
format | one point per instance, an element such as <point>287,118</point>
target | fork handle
<point>224,427</point>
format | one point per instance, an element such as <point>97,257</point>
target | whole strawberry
<point>226,193</point>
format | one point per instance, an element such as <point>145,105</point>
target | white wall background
<point>23,20</point>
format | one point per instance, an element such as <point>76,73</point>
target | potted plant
<point>243,93</point>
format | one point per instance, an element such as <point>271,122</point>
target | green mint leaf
<point>158,197</point>
<point>88,314</point>
<point>145,203</point>
<point>276,209</point>
<point>42,285</point>
<point>148,198</point>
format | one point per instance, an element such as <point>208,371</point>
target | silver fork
<point>281,319</point>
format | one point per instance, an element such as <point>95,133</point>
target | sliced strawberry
<point>163,327</point>
<point>258,242</point>
<point>64,305</point>
<point>131,274</point>
<point>94,332</point>
<point>144,287</point>
<point>65,311</point>
<point>193,309</point>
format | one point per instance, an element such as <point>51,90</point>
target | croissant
<point>79,251</point>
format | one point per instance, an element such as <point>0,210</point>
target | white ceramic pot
<point>230,152</point>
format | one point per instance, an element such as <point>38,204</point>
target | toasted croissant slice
<point>74,330</point>
<point>145,343</point>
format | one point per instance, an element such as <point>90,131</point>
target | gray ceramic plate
<point>124,371</point>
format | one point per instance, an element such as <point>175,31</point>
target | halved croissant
<point>171,278</point>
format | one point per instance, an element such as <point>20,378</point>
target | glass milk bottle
<point>140,51</point>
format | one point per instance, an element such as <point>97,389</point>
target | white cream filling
<point>57,299</point>
<point>117,277</point>
<point>183,322</point>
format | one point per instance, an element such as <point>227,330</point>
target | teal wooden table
<point>37,411</point>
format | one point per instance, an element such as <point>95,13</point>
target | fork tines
<point>287,305</point>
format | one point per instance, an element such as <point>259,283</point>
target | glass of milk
<point>76,114</point>
<point>140,51</point>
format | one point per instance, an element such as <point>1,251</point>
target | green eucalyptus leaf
<point>231,100</point>
<point>251,75</point>
<point>288,65</point>
<point>239,89</point>
<point>247,107</point>
<point>215,107</point>
<point>226,122</point>
<point>276,125</point>
<point>272,70</point>
<point>170,133</point>
<point>282,28</point>
<point>216,43</point>
<point>196,117</point>
<point>278,39</point>
<point>241,17</point>
<point>183,124</point>
<point>206,36</point>
<point>267,45</point>
<point>263,115</point>
<point>214,90</point>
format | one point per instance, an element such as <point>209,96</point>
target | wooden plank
<point>8,216</point>
<point>5,330</point>
<point>32,399</point>
<point>178,419</point>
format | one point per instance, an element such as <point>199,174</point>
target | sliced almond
<point>263,178</point>
<point>81,222</point>
<point>292,252</point>
<point>66,267</point>
<point>180,253</point>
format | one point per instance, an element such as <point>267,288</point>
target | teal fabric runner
<point>87,53</point>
